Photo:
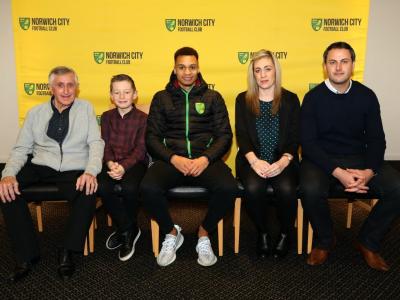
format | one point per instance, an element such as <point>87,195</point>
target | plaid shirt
<point>124,137</point>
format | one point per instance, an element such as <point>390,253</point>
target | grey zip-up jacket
<point>82,148</point>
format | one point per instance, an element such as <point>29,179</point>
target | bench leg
<point>109,221</point>
<point>91,235</point>
<point>221,237</point>
<point>155,236</point>
<point>39,216</point>
<point>300,218</point>
<point>236,223</point>
<point>85,250</point>
<point>349,214</point>
<point>310,238</point>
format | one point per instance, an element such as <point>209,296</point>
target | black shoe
<point>129,239</point>
<point>282,246</point>
<point>113,241</point>
<point>66,265</point>
<point>263,245</point>
<point>22,270</point>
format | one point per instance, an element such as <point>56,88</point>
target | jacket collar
<point>199,87</point>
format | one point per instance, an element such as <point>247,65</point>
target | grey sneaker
<point>171,243</point>
<point>206,254</point>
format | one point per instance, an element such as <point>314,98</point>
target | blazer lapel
<point>251,122</point>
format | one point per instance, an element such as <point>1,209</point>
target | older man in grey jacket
<point>59,143</point>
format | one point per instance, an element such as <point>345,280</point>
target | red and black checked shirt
<point>124,137</point>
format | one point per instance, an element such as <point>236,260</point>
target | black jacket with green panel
<point>189,124</point>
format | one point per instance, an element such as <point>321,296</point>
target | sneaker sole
<point>108,240</point>
<point>207,265</point>
<point>174,258</point>
<point>125,258</point>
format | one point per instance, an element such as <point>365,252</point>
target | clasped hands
<point>117,171</point>
<point>267,170</point>
<point>190,167</point>
<point>354,180</point>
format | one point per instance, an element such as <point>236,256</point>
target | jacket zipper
<point>188,146</point>
<point>209,143</point>
<point>61,152</point>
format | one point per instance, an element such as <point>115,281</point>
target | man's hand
<point>8,189</point>
<point>87,181</point>
<point>183,164</point>
<point>198,166</point>
<point>350,181</point>
<point>364,176</point>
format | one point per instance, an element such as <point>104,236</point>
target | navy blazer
<point>289,128</point>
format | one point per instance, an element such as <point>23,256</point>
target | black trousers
<point>122,203</point>
<point>315,184</point>
<point>285,194</point>
<point>162,176</point>
<point>18,219</point>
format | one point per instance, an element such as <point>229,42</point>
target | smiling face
<point>123,94</point>
<point>264,73</point>
<point>64,88</point>
<point>339,67</point>
<point>186,70</point>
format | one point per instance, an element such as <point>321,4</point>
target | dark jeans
<point>315,184</point>
<point>122,204</point>
<point>18,219</point>
<point>162,176</point>
<point>285,194</point>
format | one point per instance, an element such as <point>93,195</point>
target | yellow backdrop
<point>103,38</point>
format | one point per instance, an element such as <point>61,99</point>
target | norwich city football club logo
<point>29,88</point>
<point>25,23</point>
<point>200,107</point>
<point>316,24</point>
<point>312,85</point>
<point>170,24</point>
<point>98,57</point>
<point>243,57</point>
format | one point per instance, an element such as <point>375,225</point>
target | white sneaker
<point>171,243</point>
<point>206,254</point>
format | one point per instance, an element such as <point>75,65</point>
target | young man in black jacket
<point>188,132</point>
<point>343,140</point>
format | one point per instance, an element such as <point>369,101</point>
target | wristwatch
<point>288,156</point>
